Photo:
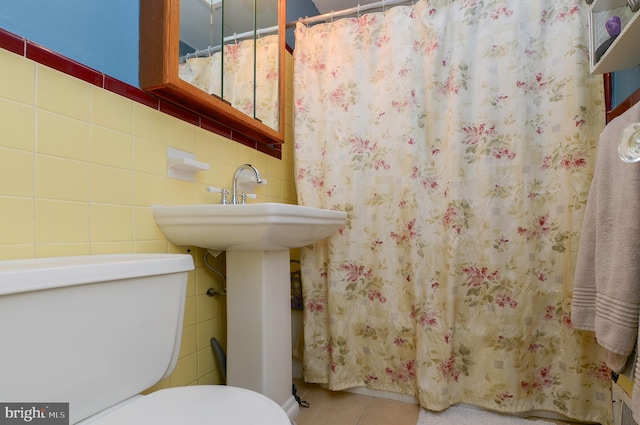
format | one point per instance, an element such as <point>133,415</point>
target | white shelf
<point>624,51</point>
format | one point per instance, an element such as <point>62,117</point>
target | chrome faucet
<point>234,188</point>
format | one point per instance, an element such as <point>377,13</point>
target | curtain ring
<point>331,17</point>
<point>358,9</point>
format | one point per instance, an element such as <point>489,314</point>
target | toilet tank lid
<point>43,273</point>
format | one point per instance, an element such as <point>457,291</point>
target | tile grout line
<point>363,410</point>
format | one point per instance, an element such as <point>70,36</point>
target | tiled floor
<point>345,408</point>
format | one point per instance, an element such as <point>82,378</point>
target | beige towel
<point>606,297</point>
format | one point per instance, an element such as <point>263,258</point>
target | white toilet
<point>95,331</point>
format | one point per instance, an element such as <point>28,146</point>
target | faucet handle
<point>244,196</point>
<point>224,192</point>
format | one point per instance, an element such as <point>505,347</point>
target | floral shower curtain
<point>460,138</point>
<point>240,61</point>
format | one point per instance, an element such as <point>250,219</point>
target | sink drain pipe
<point>221,357</point>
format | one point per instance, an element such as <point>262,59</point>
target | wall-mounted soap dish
<point>183,165</point>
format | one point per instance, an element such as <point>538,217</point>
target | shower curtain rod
<point>308,20</point>
<point>235,37</point>
<point>347,12</point>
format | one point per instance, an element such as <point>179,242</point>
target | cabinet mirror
<point>221,58</point>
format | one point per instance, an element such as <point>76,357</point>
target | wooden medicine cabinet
<point>241,52</point>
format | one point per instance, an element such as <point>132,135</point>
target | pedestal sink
<point>257,238</point>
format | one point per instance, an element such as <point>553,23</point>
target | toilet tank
<point>91,330</point>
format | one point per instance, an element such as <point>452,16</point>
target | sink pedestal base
<point>259,324</point>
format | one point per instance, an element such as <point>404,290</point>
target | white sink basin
<point>257,238</point>
<point>248,227</point>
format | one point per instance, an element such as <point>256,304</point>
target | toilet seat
<point>196,405</point>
